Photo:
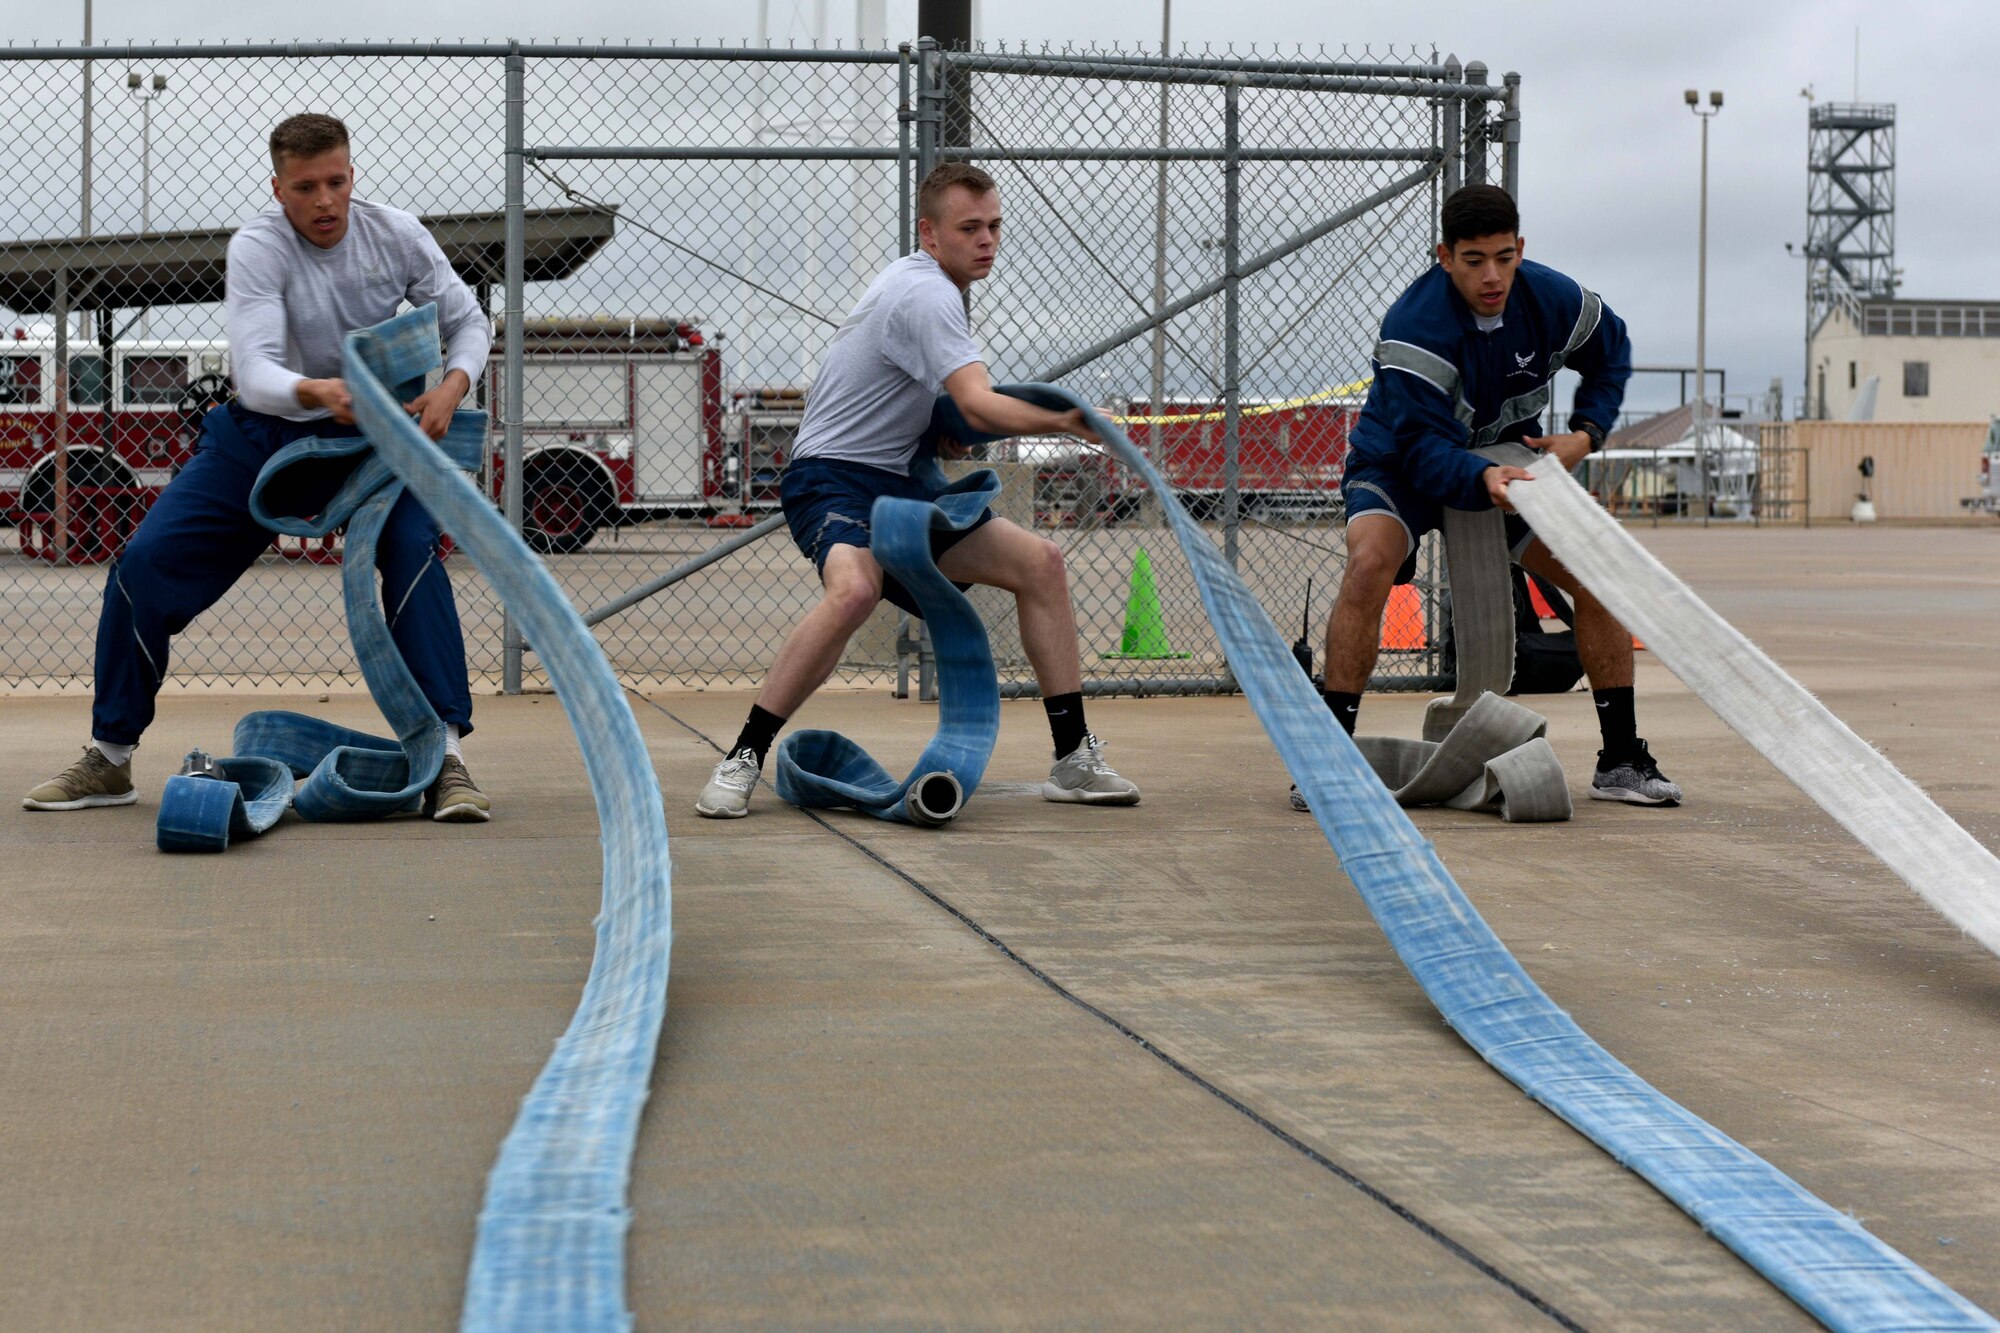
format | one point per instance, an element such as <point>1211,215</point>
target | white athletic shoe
<point>1082,776</point>
<point>727,795</point>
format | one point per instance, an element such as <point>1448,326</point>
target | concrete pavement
<point>1046,1067</point>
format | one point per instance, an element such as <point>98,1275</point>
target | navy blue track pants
<point>199,538</point>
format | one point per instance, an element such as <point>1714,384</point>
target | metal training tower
<point>1850,206</point>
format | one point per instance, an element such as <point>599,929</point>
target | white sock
<point>117,754</point>
<point>451,742</point>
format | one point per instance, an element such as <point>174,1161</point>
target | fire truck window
<point>20,379</point>
<point>86,381</point>
<point>154,379</point>
<point>575,394</point>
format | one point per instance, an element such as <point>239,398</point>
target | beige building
<point>1922,472</point>
<point>1937,360</point>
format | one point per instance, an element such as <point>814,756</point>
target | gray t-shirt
<point>885,368</point>
<point>289,303</point>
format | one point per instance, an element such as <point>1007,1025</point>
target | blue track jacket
<point>1443,388</point>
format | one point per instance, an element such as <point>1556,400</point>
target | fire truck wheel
<point>198,399</point>
<point>559,516</point>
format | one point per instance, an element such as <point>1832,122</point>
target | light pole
<point>1216,245</point>
<point>1701,303</point>
<point>137,86</point>
<point>145,93</point>
<point>1805,252</point>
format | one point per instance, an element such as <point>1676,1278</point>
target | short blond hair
<point>944,176</point>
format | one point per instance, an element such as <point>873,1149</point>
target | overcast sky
<point>1610,153</point>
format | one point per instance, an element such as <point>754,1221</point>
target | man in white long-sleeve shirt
<point>311,268</point>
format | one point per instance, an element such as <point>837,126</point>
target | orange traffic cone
<point>1542,609</point>
<point>1403,619</point>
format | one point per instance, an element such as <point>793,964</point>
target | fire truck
<point>1290,457</point>
<point>1289,461</point>
<point>623,418</point>
<point>132,420</point>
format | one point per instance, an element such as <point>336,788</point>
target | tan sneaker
<point>453,799</point>
<point>91,780</point>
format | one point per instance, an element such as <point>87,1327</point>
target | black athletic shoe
<point>1632,777</point>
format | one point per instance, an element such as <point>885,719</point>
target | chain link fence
<point>1204,245</point>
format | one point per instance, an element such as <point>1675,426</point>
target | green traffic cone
<point>1145,637</point>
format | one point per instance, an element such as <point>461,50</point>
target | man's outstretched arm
<point>993,413</point>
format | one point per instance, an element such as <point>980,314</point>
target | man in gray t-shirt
<point>886,367</point>
<point>906,342</point>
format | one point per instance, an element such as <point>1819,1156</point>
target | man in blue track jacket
<point>1468,357</point>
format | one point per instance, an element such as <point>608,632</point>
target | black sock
<point>1615,720</point>
<point>1346,707</point>
<point>1065,721</point>
<point>759,730</point>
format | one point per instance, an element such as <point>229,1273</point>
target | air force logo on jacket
<point>1443,387</point>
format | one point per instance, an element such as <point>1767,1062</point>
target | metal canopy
<point>162,268</point>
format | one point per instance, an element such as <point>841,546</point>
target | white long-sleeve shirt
<point>289,303</point>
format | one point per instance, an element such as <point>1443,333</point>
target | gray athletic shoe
<point>90,781</point>
<point>453,799</point>
<point>1632,777</point>
<point>727,795</point>
<point>1082,776</point>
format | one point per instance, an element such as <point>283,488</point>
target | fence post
<point>930,115</point>
<point>1231,368</point>
<point>1451,139</point>
<point>1510,137</point>
<point>1476,132</point>
<point>61,386</point>
<point>905,219</point>
<point>1156,384</point>
<point>512,407</point>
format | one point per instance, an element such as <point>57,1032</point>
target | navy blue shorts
<point>828,503</point>
<point>1378,490</point>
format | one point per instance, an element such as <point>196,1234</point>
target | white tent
<point>1724,473</point>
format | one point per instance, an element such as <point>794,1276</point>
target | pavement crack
<point>1430,1230</point>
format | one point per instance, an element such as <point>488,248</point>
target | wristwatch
<point>1593,430</point>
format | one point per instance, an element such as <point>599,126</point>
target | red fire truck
<point>1290,456</point>
<point>132,418</point>
<point>623,418</point>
